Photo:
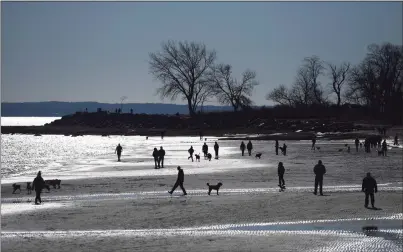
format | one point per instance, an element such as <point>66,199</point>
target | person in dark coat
<point>38,184</point>
<point>370,187</point>
<point>384,147</point>
<point>242,147</point>
<point>118,150</point>
<point>155,155</point>
<point>216,147</point>
<point>201,135</point>
<point>162,134</point>
<point>249,146</point>
<point>357,142</point>
<point>191,151</point>
<point>276,146</point>
<point>179,181</point>
<point>313,143</point>
<point>205,149</point>
<point>281,171</point>
<point>396,142</point>
<point>319,171</point>
<point>284,149</point>
<point>161,155</point>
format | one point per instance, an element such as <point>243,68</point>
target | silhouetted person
<point>162,134</point>
<point>205,149</point>
<point>38,184</point>
<point>161,155</point>
<point>249,146</point>
<point>313,143</point>
<point>319,171</point>
<point>242,147</point>
<point>367,146</point>
<point>284,149</point>
<point>370,187</point>
<point>276,146</point>
<point>384,147</point>
<point>201,135</point>
<point>216,147</point>
<point>179,182</point>
<point>396,142</point>
<point>281,171</point>
<point>348,149</point>
<point>357,142</point>
<point>155,155</point>
<point>118,150</point>
<point>191,151</point>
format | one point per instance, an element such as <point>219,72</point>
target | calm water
<point>26,121</point>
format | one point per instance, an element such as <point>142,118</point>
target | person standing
<point>205,149</point>
<point>357,142</point>
<point>384,147</point>
<point>313,143</point>
<point>191,151</point>
<point>216,147</point>
<point>276,146</point>
<point>242,147</point>
<point>319,171</point>
<point>155,155</point>
<point>396,142</point>
<point>179,182</point>
<point>118,150</point>
<point>249,146</point>
<point>161,155</point>
<point>370,187</point>
<point>38,184</point>
<point>284,149</point>
<point>281,171</point>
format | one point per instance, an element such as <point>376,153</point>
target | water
<point>27,121</point>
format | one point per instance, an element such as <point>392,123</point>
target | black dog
<point>209,156</point>
<point>197,157</point>
<point>29,187</point>
<point>214,187</point>
<point>16,187</point>
<point>258,155</point>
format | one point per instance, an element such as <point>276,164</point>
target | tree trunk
<point>191,110</point>
<point>338,100</point>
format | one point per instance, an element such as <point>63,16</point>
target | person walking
<point>313,143</point>
<point>357,142</point>
<point>370,187</point>
<point>319,171</point>
<point>118,150</point>
<point>276,146</point>
<point>38,184</point>
<point>205,149</point>
<point>216,147</point>
<point>155,155</point>
<point>179,181</point>
<point>284,149</point>
<point>242,147</point>
<point>161,155</point>
<point>191,151</point>
<point>249,146</point>
<point>396,142</point>
<point>281,171</point>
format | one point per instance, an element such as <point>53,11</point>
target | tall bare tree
<point>339,76</point>
<point>183,70</point>
<point>229,90</point>
<point>281,95</point>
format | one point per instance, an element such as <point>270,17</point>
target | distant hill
<point>65,108</point>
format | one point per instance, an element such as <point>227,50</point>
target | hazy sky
<point>98,51</point>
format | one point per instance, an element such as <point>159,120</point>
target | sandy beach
<point>124,206</point>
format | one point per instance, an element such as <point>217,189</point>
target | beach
<point>105,205</point>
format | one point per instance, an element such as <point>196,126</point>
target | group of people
<point>159,157</point>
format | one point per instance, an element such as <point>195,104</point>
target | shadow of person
<point>374,208</point>
<point>324,195</point>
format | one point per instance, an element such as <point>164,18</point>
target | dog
<point>258,155</point>
<point>318,148</point>
<point>214,187</point>
<point>29,188</point>
<point>197,157</point>
<point>380,152</point>
<point>54,183</point>
<point>340,150</point>
<point>16,187</point>
<point>209,156</point>
<point>345,145</point>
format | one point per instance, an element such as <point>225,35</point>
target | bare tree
<point>281,95</point>
<point>339,75</point>
<point>307,80</point>
<point>183,70</point>
<point>229,90</point>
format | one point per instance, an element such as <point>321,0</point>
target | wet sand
<point>135,213</point>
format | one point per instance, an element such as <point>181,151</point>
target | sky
<point>99,51</point>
